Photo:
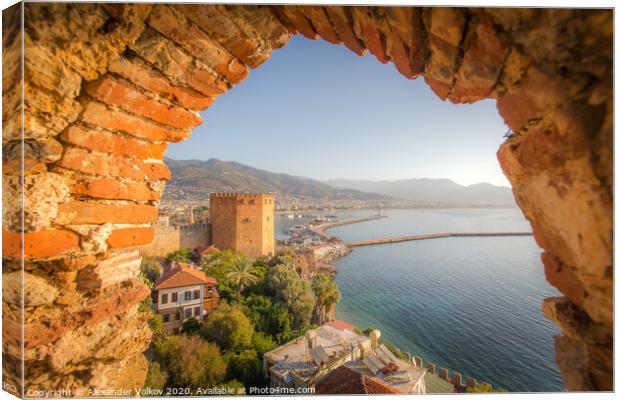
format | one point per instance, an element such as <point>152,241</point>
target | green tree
<point>190,361</point>
<point>156,378</point>
<point>182,255</point>
<point>326,293</point>
<point>150,267</point>
<point>216,265</point>
<point>229,327</point>
<point>294,293</point>
<point>156,324</point>
<point>269,317</point>
<point>190,327</point>
<point>241,273</point>
<point>262,343</point>
<point>247,367</point>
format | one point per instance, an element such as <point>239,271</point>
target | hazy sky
<point>320,111</point>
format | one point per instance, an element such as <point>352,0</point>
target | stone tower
<point>243,222</point>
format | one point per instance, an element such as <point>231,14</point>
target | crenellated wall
<point>108,86</point>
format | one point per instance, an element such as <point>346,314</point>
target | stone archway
<point>107,86</point>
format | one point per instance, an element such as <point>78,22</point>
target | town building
<point>181,292</point>
<point>243,222</point>
<point>170,237</point>
<point>309,360</point>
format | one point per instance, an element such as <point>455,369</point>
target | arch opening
<point>99,113</point>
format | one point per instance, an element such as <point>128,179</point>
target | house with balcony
<point>181,292</point>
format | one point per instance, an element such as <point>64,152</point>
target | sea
<point>468,304</point>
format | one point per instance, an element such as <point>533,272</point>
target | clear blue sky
<point>318,110</point>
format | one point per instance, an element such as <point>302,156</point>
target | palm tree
<point>242,273</point>
<point>327,294</point>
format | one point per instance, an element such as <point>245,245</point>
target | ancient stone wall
<point>107,86</point>
<point>168,238</point>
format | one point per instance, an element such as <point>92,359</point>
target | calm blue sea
<point>466,304</point>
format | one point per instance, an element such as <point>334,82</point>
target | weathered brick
<point>446,30</point>
<point>41,244</point>
<point>98,114</point>
<point>113,189</point>
<point>129,237</point>
<point>343,25</point>
<point>90,212</point>
<point>482,63</point>
<point>137,71</point>
<point>117,92</point>
<point>259,21</point>
<point>562,277</point>
<point>118,268</point>
<point>112,143</point>
<point>320,21</point>
<point>216,22</point>
<point>110,165</point>
<point>176,64</point>
<point>174,25</point>
<point>366,25</point>
<point>300,21</point>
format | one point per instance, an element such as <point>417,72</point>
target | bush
<point>262,343</point>
<point>247,367</point>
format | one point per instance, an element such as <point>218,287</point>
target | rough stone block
<point>430,368</point>
<point>366,28</point>
<point>457,379</point>
<point>443,374</point>
<point>418,361</point>
<point>472,382</point>
<point>113,270</point>
<point>562,277</point>
<point>36,290</point>
<point>320,21</point>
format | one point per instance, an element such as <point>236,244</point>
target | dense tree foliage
<point>190,327</point>
<point>247,367</point>
<point>190,361</point>
<point>182,255</point>
<point>156,377</point>
<point>269,317</point>
<point>262,343</point>
<point>229,327</point>
<point>294,293</point>
<point>242,273</point>
<point>326,293</point>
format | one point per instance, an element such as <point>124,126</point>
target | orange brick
<point>128,237</point>
<point>98,114</point>
<point>116,92</point>
<point>319,19</point>
<point>82,212</point>
<point>151,79</point>
<point>108,188</point>
<point>110,165</point>
<point>112,143</point>
<point>39,244</point>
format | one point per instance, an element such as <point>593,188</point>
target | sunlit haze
<point>320,111</point>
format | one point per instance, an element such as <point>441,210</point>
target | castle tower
<point>243,222</point>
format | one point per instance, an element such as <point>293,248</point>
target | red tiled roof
<point>343,326</point>
<point>183,274</point>
<point>209,250</point>
<point>344,380</point>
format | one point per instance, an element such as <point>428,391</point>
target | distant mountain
<point>196,178</point>
<point>434,190</point>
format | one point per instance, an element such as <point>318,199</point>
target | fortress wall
<point>107,86</point>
